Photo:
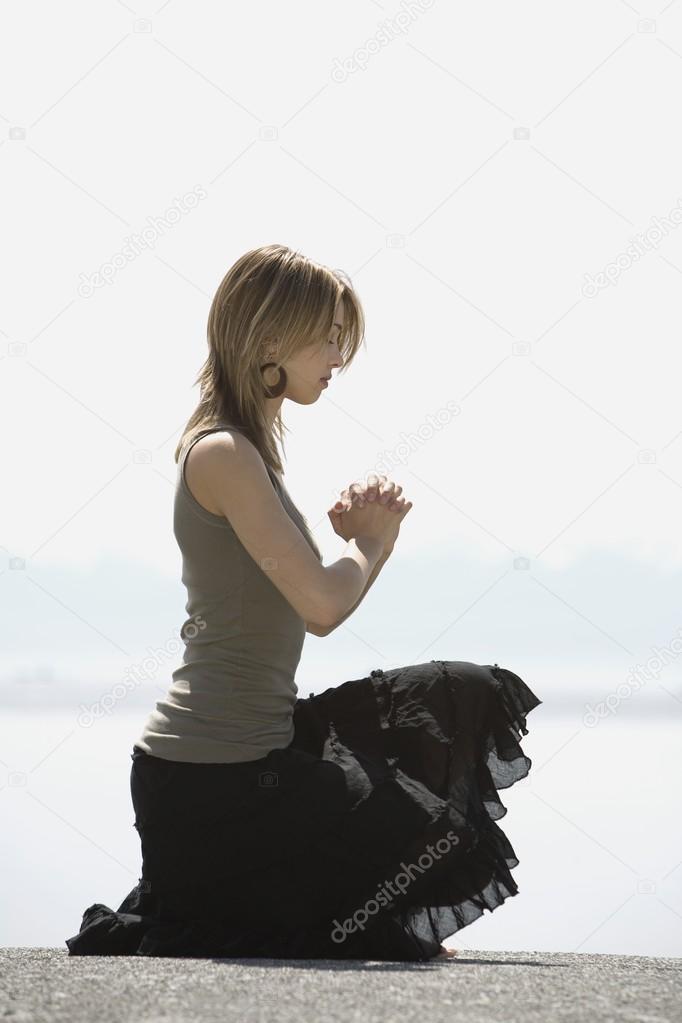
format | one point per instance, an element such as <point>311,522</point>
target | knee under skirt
<point>373,835</point>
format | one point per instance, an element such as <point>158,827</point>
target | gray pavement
<point>41,984</point>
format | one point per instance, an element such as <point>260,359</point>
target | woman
<point>358,823</point>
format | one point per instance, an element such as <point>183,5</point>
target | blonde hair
<point>270,293</point>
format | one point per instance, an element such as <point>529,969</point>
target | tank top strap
<point>203,433</point>
<point>182,482</point>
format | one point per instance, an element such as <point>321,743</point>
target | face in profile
<point>307,369</point>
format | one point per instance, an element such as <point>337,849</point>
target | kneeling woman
<point>358,823</point>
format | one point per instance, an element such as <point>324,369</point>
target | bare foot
<point>446,953</point>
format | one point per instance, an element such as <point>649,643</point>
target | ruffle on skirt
<point>372,836</point>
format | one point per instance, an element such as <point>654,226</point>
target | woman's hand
<point>357,496</point>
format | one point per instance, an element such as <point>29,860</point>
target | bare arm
<point>317,630</point>
<point>236,479</point>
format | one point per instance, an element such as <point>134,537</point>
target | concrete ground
<point>41,984</point>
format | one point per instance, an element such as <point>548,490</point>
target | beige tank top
<point>232,698</point>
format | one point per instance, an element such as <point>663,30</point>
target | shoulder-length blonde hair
<point>270,293</point>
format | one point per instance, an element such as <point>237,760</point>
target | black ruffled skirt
<point>372,836</point>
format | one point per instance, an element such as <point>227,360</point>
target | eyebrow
<point>339,325</point>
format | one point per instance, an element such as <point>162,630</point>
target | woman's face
<point>306,369</point>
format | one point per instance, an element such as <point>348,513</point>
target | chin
<point>304,399</point>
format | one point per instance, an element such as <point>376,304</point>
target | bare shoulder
<point>208,455</point>
<point>227,472</point>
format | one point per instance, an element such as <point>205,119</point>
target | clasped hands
<point>357,495</point>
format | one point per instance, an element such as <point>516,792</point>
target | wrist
<point>370,546</point>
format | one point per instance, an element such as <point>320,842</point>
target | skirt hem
<point>387,804</point>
